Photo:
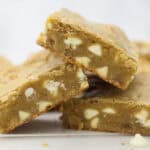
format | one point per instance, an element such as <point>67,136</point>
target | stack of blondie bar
<point>92,70</point>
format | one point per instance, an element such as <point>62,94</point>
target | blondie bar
<point>40,84</point>
<point>101,49</point>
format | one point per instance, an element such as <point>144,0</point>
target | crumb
<point>139,141</point>
<point>45,145</point>
<point>123,143</point>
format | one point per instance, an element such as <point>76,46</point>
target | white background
<point>20,23</point>
<point>22,20</point>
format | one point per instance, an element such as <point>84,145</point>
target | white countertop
<point>46,132</point>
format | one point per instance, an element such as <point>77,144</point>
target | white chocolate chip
<point>95,49</point>
<point>108,110</point>
<point>29,92</point>
<point>83,60</point>
<point>43,105</point>
<point>84,85</point>
<point>62,86</point>
<point>103,71</point>
<point>73,42</point>
<point>81,75</point>
<point>23,115</point>
<point>138,141</point>
<point>94,123</point>
<point>52,86</point>
<point>142,118</point>
<point>83,81</point>
<point>49,26</point>
<point>90,113</point>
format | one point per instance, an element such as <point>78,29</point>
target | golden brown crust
<point>108,33</point>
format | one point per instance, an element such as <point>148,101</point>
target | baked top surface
<point>108,33</point>
<point>137,92</point>
<point>39,64</point>
<point>4,63</point>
